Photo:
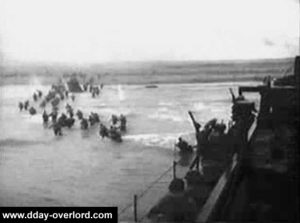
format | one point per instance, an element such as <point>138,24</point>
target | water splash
<point>121,93</point>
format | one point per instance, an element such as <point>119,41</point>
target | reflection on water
<point>79,168</point>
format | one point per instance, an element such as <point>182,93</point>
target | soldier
<point>45,117</point>
<point>103,131</point>
<point>57,128</point>
<point>79,114</point>
<point>69,122</point>
<point>183,145</point>
<point>241,97</point>
<point>21,106</point>
<point>62,119</point>
<point>73,97</point>
<point>115,134</point>
<point>175,206</point>
<point>114,119</point>
<point>40,93</point>
<point>35,96</point>
<point>123,122</point>
<point>54,115</point>
<point>84,123</point>
<point>32,111</point>
<point>67,94</point>
<point>197,189</point>
<point>26,104</point>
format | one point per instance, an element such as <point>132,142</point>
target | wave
<point>164,113</point>
<point>165,140</point>
<point>199,106</point>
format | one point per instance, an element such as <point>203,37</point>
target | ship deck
<point>268,189</point>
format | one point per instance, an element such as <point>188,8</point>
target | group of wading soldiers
<point>93,89</point>
<point>118,125</point>
<point>57,94</point>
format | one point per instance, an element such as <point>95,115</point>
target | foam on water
<point>199,106</point>
<point>162,140</point>
<point>166,140</point>
<point>121,93</point>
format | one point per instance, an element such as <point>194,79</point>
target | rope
<point>147,189</point>
<point>154,182</point>
<point>125,208</point>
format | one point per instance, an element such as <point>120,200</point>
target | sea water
<point>81,169</point>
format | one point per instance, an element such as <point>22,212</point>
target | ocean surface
<point>81,169</point>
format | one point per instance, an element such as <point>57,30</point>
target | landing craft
<point>260,179</point>
<point>74,86</point>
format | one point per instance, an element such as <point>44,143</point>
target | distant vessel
<point>151,86</point>
<point>73,85</point>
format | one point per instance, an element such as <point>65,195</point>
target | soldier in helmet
<point>26,104</point>
<point>45,117</point>
<point>175,206</point>
<point>21,106</point>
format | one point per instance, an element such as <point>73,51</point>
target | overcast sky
<point>80,31</point>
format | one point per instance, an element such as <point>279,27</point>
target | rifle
<point>194,121</point>
<point>232,95</point>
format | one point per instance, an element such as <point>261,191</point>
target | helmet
<point>176,185</point>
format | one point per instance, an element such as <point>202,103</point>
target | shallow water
<point>81,169</point>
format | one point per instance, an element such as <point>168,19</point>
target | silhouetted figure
<point>115,134</point>
<point>103,131</point>
<point>43,104</point>
<point>175,206</point>
<point>54,115</point>
<point>94,118</point>
<point>61,120</point>
<point>184,146</point>
<point>114,119</point>
<point>84,124</point>
<point>45,117</point>
<point>123,122</point>
<point>73,97</point>
<point>40,93</point>
<point>57,128</point>
<point>79,114</point>
<point>32,111</point>
<point>69,122</point>
<point>197,188</point>
<point>67,94</point>
<point>240,97</point>
<point>35,97</point>
<point>21,106</point>
<point>26,104</point>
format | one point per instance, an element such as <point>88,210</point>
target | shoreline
<point>125,80</point>
<point>150,73</point>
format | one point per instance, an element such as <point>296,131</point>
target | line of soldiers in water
<point>25,105</point>
<point>58,93</point>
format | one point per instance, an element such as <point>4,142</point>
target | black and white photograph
<point>165,110</point>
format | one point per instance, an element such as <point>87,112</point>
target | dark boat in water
<point>151,86</point>
<point>251,175</point>
<point>73,85</point>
